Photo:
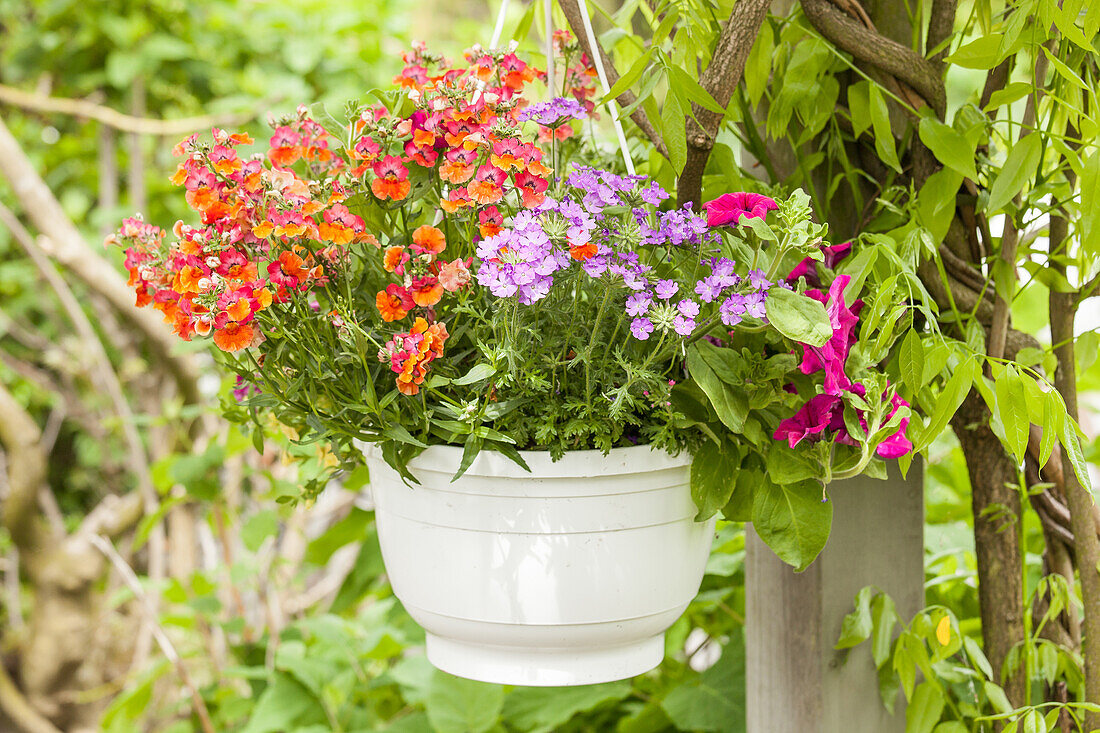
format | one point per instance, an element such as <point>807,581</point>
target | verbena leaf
<point>798,317</point>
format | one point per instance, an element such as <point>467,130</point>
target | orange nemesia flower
<point>428,239</point>
<point>233,336</point>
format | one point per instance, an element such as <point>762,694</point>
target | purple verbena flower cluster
<point>553,113</point>
<point>520,261</point>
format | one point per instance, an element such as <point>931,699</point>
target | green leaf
<point>997,698</point>
<point>693,91</point>
<point>859,105</point>
<point>912,361</point>
<point>936,201</point>
<point>758,67</point>
<point>283,702</point>
<point>1090,205</point>
<point>924,709</point>
<point>1013,92</point>
<point>884,616</point>
<point>739,507</point>
<point>1019,167</point>
<point>477,373</point>
<point>674,124</point>
<point>540,709</point>
<point>730,403</point>
<point>627,80</point>
<point>717,701</point>
<point>977,657</point>
<point>713,477</point>
<point>949,146</point>
<point>954,392</point>
<point>857,625</point>
<point>1072,445</point>
<point>457,705</point>
<point>793,520</point>
<point>258,528</point>
<point>884,134</point>
<point>982,53</point>
<point>951,726</point>
<point>798,317</point>
<point>1012,410</point>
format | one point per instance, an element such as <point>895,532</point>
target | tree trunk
<point>996,504</point>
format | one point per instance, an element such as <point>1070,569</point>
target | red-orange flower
<point>233,336</point>
<point>426,291</point>
<point>428,239</point>
<point>392,181</point>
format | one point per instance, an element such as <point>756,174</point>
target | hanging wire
<point>549,17</point>
<point>597,59</point>
<point>497,30</point>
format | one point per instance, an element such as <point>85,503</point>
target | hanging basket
<point>568,575</point>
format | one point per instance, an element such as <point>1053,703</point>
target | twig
<point>165,644</point>
<point>112,118</point>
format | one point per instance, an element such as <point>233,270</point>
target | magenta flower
<point>822,412</point>
<point>732,207</point>
<point>807,268</point>
<point>832,355</point>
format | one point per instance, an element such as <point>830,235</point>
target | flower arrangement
<point>458,265</point>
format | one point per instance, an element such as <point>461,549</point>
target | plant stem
<point>592,344</point>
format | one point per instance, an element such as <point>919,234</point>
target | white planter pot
<point>567,575</point>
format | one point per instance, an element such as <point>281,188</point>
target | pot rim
<point>574,464</point>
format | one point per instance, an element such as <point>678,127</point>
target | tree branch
<point>68,247</point>
<point>727,65</point>
<point>572,12</point>
<point>19,435</point>
<point>126,123</point>
<point>16,707</point>
<point>878,50</point>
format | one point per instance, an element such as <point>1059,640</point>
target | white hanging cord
<point>500,24</point>
<point>497,30</point>
<point>549,6</point>
<point>597,59</point>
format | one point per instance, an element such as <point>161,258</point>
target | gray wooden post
<point>796,681</point>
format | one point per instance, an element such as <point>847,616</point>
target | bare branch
<point>19,435</point>
<point>126,123</point>
<point>572,12</point>
<point>16,707</point>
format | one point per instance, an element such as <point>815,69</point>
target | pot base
<point>541,667</point>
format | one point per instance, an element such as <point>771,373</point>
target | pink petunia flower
<point>822,412</point>
<point>834,352</point>
<point>807,268</point>
<point>732,207</point>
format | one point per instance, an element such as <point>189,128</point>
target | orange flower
<point>392,179</point>
<point>426,291</point>
<point>233,336</point>
<point>582,252</point>
<point>261,231</point>
<point>485,192</point>
<point>428,239</point>
<point>393,303</point>
<point>335,233</point>
<point>394,258</point>
<point>239,309</point>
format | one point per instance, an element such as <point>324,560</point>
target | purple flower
<point>683,325</point>
<point>520,261</point>
<point>754,304</point>
<point>638,304</point>
<point>732,309</point>
<point>641,328</point>
<point>666,289</point>
<point>653,194</point>
<point>732,207</point>
<point>721,269</point>
<point>554,112</point>
<point>709,288</point>
<point>689,308</point>
<point>758,280</point>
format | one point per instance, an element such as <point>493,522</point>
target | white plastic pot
<point>568,575</point>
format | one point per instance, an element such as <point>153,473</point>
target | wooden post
<point>796,681</point>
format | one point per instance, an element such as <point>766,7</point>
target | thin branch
<point>68,247</point>
<point>132,582</point>
<point>572,12</point>
<point>878,50</point>
<point>126,123</point>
